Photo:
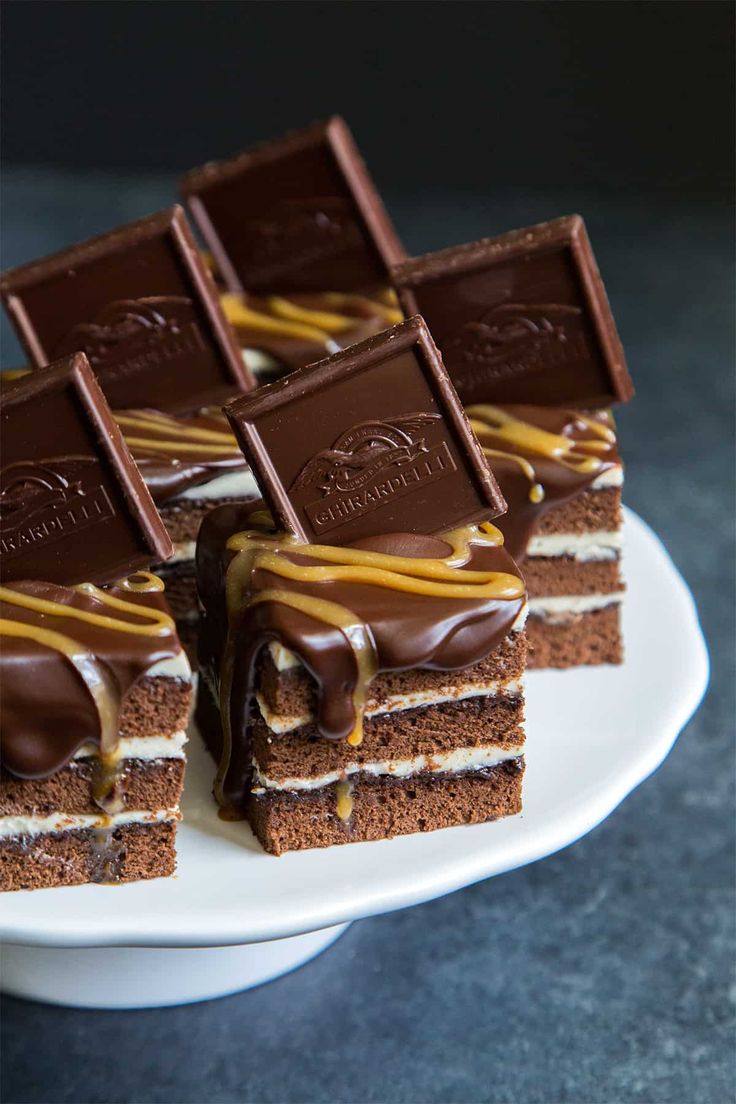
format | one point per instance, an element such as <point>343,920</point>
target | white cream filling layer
<point>175,667</point>
<point>183,552</point>
<point>449,762</point>
<point>284,659</point>
<point>282,722</point>
<point>584,547</point>
<point>64,822</point>
<point>143,747</point>
<point>573,603</point>
<point>258,361</point>
<point>613,477</point>
<point>235,484</point>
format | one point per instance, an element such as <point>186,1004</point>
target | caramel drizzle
<point>436,577</point>
<point>287,319</point>
<point>583,457</point>
<point>171,436</point>
<point>100,684</point>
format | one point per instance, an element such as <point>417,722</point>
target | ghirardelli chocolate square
<point>141,306</point>
<point>298,214</point>
<point>522,318</point>
<point>73,505</point>
<point>372,440</point>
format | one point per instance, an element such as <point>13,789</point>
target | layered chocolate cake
<point>361,680</point>
<point>140,304</point>
<point>94,685</point>
<point>95,702</point>
<point>302,243</point>
<point>524,319</point>
<point>561,475</point>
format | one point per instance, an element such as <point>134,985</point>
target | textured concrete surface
<point>603,974</point>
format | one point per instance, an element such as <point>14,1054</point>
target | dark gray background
<point>603,974</point>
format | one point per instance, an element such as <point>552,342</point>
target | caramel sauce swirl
<point>80,648</point>
<point>297,329</point>
<point>541,456</point>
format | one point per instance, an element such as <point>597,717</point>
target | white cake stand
<point>234,917</point>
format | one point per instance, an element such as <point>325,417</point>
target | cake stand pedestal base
<point>151,977</point>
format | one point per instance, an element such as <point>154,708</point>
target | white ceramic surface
<point>593,735</point>
<point>151,977</point>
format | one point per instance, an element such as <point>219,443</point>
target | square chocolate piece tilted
<point>142,307</point>
<point>73,505</point>
<point>372,440</point>
<point>522,318</point>
<point>298,214</point>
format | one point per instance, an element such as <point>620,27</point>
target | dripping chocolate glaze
<point>344,621</point>
<point>176,452</point>
<point>539,470</point>
<point>79,694</point>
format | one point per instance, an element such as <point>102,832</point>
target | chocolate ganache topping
<point>541,457</point>
<point>387,603</point>
<point>176,452</point>
<point>303,328</point>
<point>69,656</point>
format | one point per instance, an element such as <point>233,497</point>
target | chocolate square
<point>298,214</point>
<point>522,318</point>
<point>73,505</point>
<point>143,308</point>
<point>372,440</point>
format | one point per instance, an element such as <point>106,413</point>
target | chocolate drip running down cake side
<point>360,692</point>
<point>95,687</point>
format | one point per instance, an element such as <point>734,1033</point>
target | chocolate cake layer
<point>183,517</point>
<point>380,808</point>
<point>563,575</point>
<point>156,706</point>
<point>141,784</point>
<point>181,590</point>
<point>589,512</point>
<point>292,692</point>
<point>584,639</point>
<point>133,851</point>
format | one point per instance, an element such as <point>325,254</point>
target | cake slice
<point>561,475</point>
<point>94,685</point>
<point>379,697</point>
<point>527,335</point>
<point>362,680</point>
<point>92,771</point>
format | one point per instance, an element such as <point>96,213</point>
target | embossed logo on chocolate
<point>299,232</point>
<point>46,500</point>
<point>368,466</point>
<point>133,335</point>
<point>514,339</point>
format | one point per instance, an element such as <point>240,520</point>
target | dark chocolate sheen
<point>522,318</point>
<point>371,440</point>
<point>296,214</point>
<point>73,505</point>
<point>141,305</point>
